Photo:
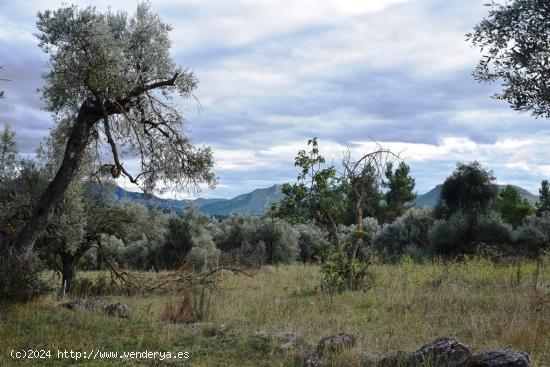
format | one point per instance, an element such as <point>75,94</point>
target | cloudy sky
<point>275,73</point>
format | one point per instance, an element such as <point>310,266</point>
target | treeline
<point>362,212</point>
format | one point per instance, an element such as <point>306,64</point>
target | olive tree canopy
<point>111,84</point>
<point>515,43</point>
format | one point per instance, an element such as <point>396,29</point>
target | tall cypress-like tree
<point>543,204</point>
<point>8,153</point>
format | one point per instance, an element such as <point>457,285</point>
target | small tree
<point>400,185</point>
<point>512,207</point>
<point>318,195</point>
<point>543,205</point>
<point>469,189</point>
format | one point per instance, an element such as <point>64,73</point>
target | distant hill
<point>253,203</point>
<point>430,198</point>
<point>256,202</point>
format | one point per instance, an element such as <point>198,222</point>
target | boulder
<point>336,343</point>
<point>442,352</point>
<point>498,358</point>
<point>118,310</point>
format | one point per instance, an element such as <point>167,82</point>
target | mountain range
<point>258,201</point>
<point>429,199</point>
<point>255,202</point>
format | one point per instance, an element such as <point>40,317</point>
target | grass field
<point>482,304</point>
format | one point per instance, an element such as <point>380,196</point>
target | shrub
<point>248,254</point>
<point>313,243</point>
<point>281,240</point>
<point>409,229</point>
<point>341,272</point>
<point>533,237</point>
<point>204,254</point>
<point>449,237</point>
<point>20,279</point>
<point>236,231</point>
<point>492,230</point>
<point>418,254</point>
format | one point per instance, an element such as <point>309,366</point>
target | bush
<point>493,231</point>
<point>449,237</point>
<point>236,231</point>
<point>341,272</point>
<point>313,243</point>
<point>532,239</point>
<point>410,229</point>
<point>20,279</point>
<point>248,254</point>
<point>204,254</point>
<point>281,240</point>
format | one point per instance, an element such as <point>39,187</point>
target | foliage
<point>514,39</point>
<point>460,235</point>
<point>450,236</point>
<point>511,207</point>
<point>117,59</point>
<point>492,230</point>
<point>543,204</point>
<point>341,272</point>
<point>280,239</point>
<point>236,231</point>
<point>533,237</point>
<point>313,243</point>
<point>20,279</point>
<point>409,229</point>
<point>400,186</point>
<point>318,194</point>
<point>8,154</point>
<point>469,189</point>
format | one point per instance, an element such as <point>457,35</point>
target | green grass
<point>482,304</point>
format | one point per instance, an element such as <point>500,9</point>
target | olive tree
<point>515,43</point>
<point>111,85</point>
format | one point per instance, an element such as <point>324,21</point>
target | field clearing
<point>482,304</point>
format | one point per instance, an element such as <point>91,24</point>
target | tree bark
<point>68,271</point>
<point>41,216</point>
<point>69,263</point>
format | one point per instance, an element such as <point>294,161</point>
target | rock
<point>288,340</point>
<point>336,343</point>
<point>441,352</point>
<point>314,360</point>
<point>83,304</point>
<point>498,358</point>
<point>118,310</point>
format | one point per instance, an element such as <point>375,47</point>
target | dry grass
<point>482,304</point>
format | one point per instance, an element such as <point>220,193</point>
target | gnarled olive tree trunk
<point>42,213</point>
